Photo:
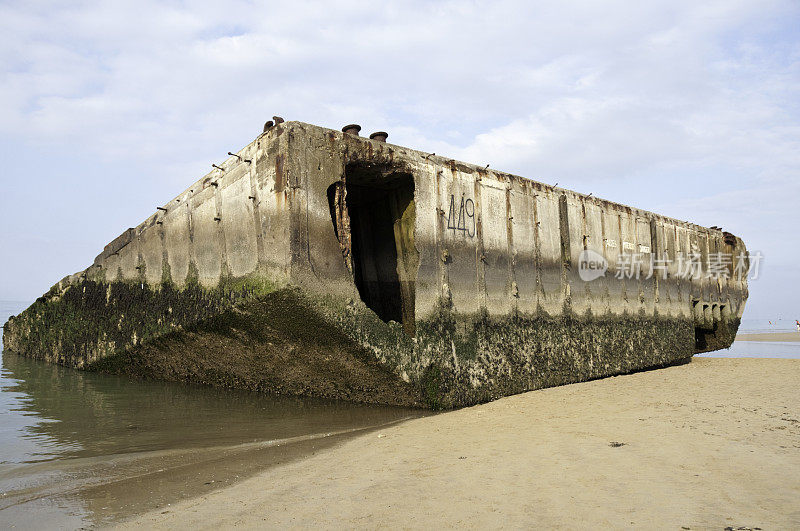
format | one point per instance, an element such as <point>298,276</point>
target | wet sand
<point>714,443</point>
<point>770,336</point>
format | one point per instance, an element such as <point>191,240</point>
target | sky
<point>688,109</point>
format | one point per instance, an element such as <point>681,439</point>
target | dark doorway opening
<point>375,204</point>
<point>700,341</point>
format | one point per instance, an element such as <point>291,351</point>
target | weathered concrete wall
<point>479,271</point>
<point>231,223</point>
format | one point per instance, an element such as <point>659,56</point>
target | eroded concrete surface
<point>321,263</point>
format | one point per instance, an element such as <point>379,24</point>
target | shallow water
<point>755,326</point>
<point>80,449</point>
<point>758,349</point>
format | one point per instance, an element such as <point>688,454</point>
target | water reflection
<point>82,414</point>
<point>83,448</point>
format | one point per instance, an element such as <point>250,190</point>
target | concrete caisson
<point>324,263</point>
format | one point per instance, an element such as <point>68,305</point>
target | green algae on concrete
<point>89,320</point>
<point>273,343</point>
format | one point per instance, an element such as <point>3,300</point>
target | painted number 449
<point>462,218</point>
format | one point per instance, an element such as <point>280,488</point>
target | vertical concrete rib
<point>444,280</point>
<point>512,256</point>
<point>537,252</point>
<point>140,264</point>
<point>162,235</point>
<point>587,290</point>
<point>224,266</point>
<point>566,261</point>
<point>604,236</point>
<point>655,254</point>
<point>191,246</point>
<point>289,171</point>
<point>480,250</point>
<point>260,253</point>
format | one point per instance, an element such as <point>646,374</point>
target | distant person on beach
<point>797,324</point>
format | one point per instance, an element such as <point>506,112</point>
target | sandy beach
<point>710,444</point>
<point>770,336</point>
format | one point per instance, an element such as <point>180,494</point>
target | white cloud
<point>679,105</point>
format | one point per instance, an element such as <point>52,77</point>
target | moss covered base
<point>275,343</point>
<point>90,320</point>
<point>253,335</point>
<point>484,358</point>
